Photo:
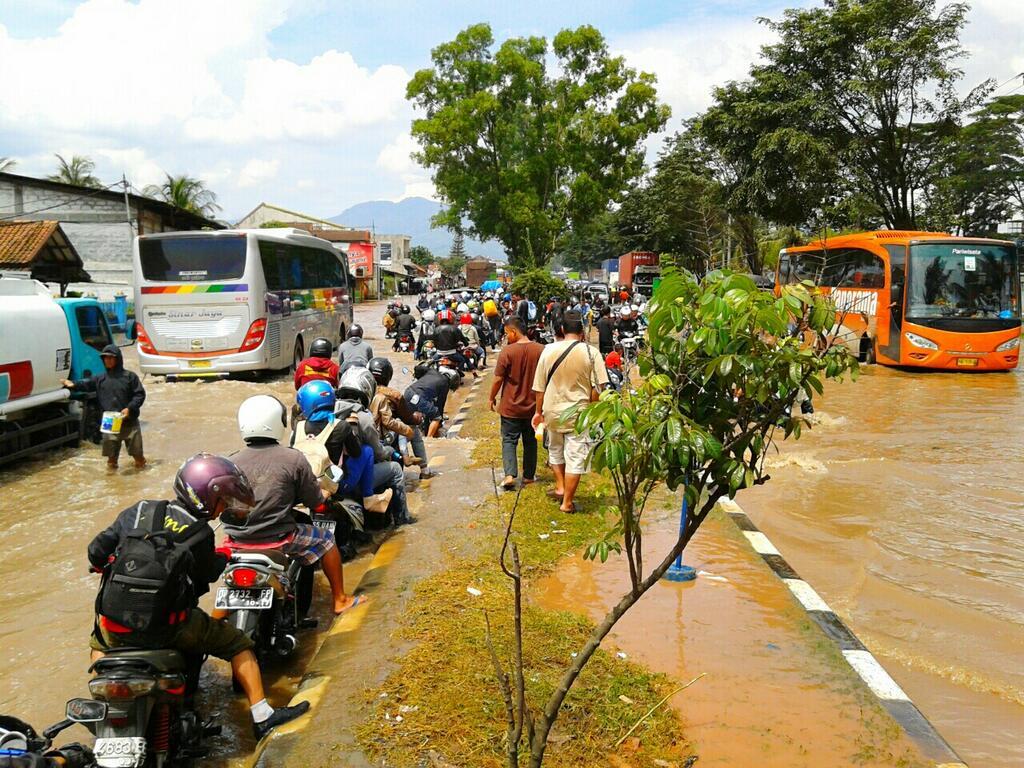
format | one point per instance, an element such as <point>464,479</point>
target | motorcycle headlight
<point>920,341</point>
<point>1006,346</point>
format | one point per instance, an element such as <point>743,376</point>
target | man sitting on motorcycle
<point>318,366</point>
<point>205,487</point>
<point>448,340</point>
<point>424,330</point>
<point>472,334</point>
<point>404,325</point>
<point>281,478</point>
<point>393,413</point>
<point>354,351</point>
<point>613,360</point>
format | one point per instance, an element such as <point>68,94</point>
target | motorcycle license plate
<point>967,362</point>
<point>234,598</point>
<point>123,752</point>
<point>325,523</point>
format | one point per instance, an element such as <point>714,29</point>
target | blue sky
<point>301,102</point>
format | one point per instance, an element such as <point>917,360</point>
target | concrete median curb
<point>881,685</point>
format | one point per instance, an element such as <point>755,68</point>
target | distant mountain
<point>412,217</point>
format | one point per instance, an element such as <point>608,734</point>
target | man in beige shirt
<point>569,373</point>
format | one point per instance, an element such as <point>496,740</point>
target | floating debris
<point>474,591</point>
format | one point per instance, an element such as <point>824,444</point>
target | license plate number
<point>325,523</point>
<point>124,752</point>
<point>199,364</point>
<point>967,362</point>
<point>250,599</point>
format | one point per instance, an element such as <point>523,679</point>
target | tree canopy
<point>187,193</point>
<point>846,117</point>
<point>527,140</point>
<point>421,255</point>
<point>77,171</point>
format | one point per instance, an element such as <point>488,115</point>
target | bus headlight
<point>920,341</point>
<point>1006,346</point>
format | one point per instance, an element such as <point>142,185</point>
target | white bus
<point>217,302</point>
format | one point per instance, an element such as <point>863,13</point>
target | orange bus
<point>921,299</point>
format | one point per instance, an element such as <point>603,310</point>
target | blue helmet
<point>316,400</point>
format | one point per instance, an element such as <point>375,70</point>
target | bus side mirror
<point>131,332</point>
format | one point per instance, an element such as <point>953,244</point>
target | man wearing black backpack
<point>158,558</point>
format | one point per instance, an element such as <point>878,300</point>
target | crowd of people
<point>342,449</point>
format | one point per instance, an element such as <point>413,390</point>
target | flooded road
<point>52,505</point>
<point>904,509</point>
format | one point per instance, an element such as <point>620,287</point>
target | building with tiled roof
<point>40,250</point>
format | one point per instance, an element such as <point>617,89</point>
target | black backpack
<point>148,585</point>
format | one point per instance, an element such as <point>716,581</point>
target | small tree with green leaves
<point>725,364</point>
<point>421,256</point>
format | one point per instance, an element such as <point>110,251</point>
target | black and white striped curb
<point>460,417</point>
<point>878,681</point>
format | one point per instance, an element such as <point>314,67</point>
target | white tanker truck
<point>43,341</point>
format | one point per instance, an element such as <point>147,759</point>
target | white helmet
<point>643,308</point>
<point>262,416</point>
<point>428,315</point>
<point>462,308</point>
<point>625,311</point>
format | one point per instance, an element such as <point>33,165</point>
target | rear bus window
<point>192,259</point>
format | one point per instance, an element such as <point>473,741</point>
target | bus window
<point>273,272</point>
<point>192,259</point>
<point>806,266</point>
<point>92,327</point>
<point>853,268</point>
<point>897,279</point>
<point>783,272</point>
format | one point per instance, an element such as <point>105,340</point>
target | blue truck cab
<point>90,333</point>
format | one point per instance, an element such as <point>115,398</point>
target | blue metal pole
<point>677,571</point>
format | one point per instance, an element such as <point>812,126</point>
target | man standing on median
<point>513,377</point>
<point>569,373</point>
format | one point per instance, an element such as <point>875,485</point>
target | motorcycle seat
<point>163,660</point>
<point>270,550</point>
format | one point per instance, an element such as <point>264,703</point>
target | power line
<point>1007,82</point>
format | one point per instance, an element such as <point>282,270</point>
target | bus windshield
<point>962,280</point>
<point>192,259</point>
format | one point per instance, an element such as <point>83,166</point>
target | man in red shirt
<point>318,366</point>
<point>513,377</point>
<point>614,358</point>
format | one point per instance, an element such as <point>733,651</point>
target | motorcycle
<point>266,594</point>
<point>447,368</point>
<point>149,716</point>
<point>21,745</point>
<point>406,343</point>
<point>539,333</point>
<point>615,379</point>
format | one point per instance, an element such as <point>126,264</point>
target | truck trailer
<point>638,270</point>
<point>42,342</point>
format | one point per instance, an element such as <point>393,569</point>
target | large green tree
<point>983,180</point>
<point>421,256</point>
<point>590,243</point>
<point>187,193</point>
<point>77,171</point>
<point>527,140</point>
<point>846,116</point>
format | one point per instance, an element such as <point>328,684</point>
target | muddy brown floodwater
<point>903,509</point>
<point>52,505</point>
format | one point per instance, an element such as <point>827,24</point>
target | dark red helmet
<point>206,479</point>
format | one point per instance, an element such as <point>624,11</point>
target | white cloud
<point>324,99</point>
<point>690,59</point>
<point>257,171</point>
<point>396,158</point>
<point>134,163</point>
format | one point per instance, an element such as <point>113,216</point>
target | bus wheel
<point>298,357</point>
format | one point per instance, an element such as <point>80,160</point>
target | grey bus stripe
<point>861,660</point>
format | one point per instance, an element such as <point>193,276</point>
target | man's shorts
<point>570,449</point>
<point>131,436</point>
<point>309,544</point>
<point>199,635</point>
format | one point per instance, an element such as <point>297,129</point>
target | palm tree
<point>6,164</point>
<point>77,171</point>
<point>185,192</point>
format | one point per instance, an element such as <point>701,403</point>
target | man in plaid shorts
<point>281,478</point>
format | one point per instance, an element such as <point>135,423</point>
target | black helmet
<point>406,309</point>
<point>382,370</point>
<point>355,332</point>
<point>321,348</point>
<point>420,370</point>
<point>475,317</point>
